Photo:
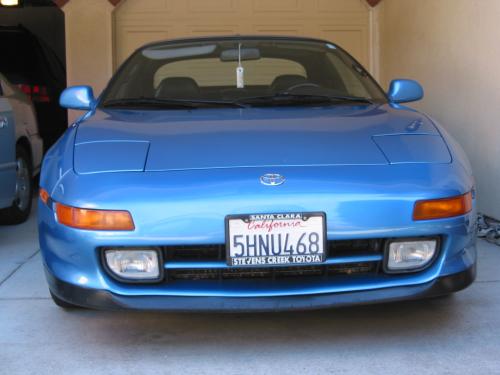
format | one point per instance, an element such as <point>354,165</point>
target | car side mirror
<point>77,97</point>
<point>405,91</point>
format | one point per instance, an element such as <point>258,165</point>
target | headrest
<point>178,88</point>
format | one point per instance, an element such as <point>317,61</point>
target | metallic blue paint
<point>405,91</point>
<point>329,134</point>
<point>136,152</point>
<point>413,148</point>
<point>18,126</point>
<point>7,153</point>
<point>77,97</point>
<point>180,172</point>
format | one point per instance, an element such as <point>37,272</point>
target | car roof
<point>219,38</point>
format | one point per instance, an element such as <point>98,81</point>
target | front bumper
<point>170,215</point>
<point>105,300</point>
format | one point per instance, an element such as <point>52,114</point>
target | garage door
<point>345,22</point>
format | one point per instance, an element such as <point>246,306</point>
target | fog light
<point>133,264</point>
<point>404,256</point>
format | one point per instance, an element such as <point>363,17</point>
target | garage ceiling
<point>345,22</point>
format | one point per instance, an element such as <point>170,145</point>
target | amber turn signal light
<point>83,218</point>
<point>443,208</point>
<point>44,196</point>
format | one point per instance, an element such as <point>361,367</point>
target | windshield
<point>253,72</point>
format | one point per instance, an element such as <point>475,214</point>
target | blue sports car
<point>252,173</point>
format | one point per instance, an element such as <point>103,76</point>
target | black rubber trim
<point>104,300</point>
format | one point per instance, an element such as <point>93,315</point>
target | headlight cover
<point>410,255</point>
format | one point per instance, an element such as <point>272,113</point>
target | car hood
<point>132,140</point>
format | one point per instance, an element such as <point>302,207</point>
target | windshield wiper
<point>286,98</point>
<point>245,102</point>
<point>164,103</point>
<point>358,99</point>
<point>147,102</point>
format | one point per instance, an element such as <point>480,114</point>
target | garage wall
<point>89,45</point>
<point>346,22</point>
<point>453,48</point>
<point>89,42</point>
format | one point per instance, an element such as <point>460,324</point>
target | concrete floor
<point>460,334</point>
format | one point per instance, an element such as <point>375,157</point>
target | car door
<point>7,151</point>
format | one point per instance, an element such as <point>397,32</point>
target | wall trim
<point>61,3</point>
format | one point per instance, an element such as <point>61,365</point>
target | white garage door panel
<point>132,37</point>
<point>345,22</point>
<point>281,6</point>
<point>354,39</point>
<point>203,30</point>
<point>212,6</point>
<point>341,6</point>
<point>146,6</point>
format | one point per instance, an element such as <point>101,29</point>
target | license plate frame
<point>303,216</point>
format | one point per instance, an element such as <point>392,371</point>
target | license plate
<point>275,239</point>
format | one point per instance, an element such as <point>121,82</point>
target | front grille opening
<point>274,273</point>
<point>354,247</point>
<point>218,252</point>
<point>195,252</point>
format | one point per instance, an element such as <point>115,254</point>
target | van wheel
<point>21,207</point>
